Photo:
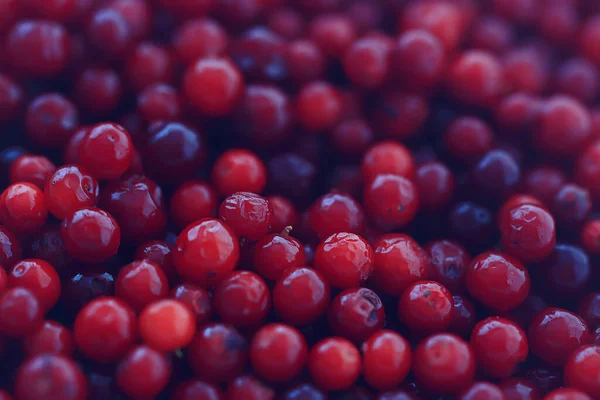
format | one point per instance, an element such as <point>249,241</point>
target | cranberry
<point>90,235</point>
<point>98,91</point>
<point>334,364</point>
<point>138,205</point>
<point>468,138</point>
<point>143,373</point>
<point>259,54</point>
<point>148,64</point>
<point>463,316</point>
<point>50,120</point>
<point>242,299</point>
<point>388,157</point>
<point>292,176</point>
<point>519,389</point>
<point>482,390</point>
<point>141,283</point>
<point>426,307</point>
<point>11,99</point>
<point>305,60</point>
<point>400,115</point>
<point>21,313</point>
<point>319,106</point>
<point>581,369</point>
<point>105,329</point>
<point>31,169</point>
<point>528,233</point>
<point>590,236</point>
<point>38,48</point>
<point>351,137</point>
<point>448,262</point>
<point>333,33</point>
<point>336,212</point>
<point>399,261</point>
<point>238,171</point>
<point>40,278</point>
<point>497,281</point>
<point>48,376</point>
<point>248,215</point>
<point>345,259</point>
<point>218,352</point>
<point>304,391</point>
<point>275,253</point>
<point>356,314</point>
<point>70,188</point>
<point>52,338</point>
<point>499,346</point>
<point>159,102</point>
<point>567,394</point>
<point>199,38</point>
<point>196,389</point>
<point>366,62</point>
<point>391,200</point>
<point>555,333</point>
<point>206,252</point>
<point>386,359</point>
<point>492,34</point>
<point>107,151</point>
<point>518,113</point>
<point>247,387</point>
<point>23,208</point>
<point>444,364</point>
<point>571,205</point>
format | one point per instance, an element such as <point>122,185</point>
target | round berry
<point>239,170</point>
<point>528,233</point>
<point>387,157</point>
<point>386,360</point>
<point>319,106</point>
<point>143,373</point>
<point>23,208</point>
<point>192,201</point>
<point>141,283</point>
<point>482,391</point>
<point>21,313</point>
<point>356,314</point>
<point>107,151</point>
<point>40,278</point>
<point>334,364</point>
<point>275,253</point>
<point>50,338</point>
<point>247,214</point>
<point>197,299</point>
<point>448,262</point>
<point>426,307</point>
<point>70,188</point>
<point>50,376</point>
<point>50,120</point>
<point>582,370</point>
<point>31,169</point>
<point>242,299</point>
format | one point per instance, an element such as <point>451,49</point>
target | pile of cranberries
<point>299,199</point>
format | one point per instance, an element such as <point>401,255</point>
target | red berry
<point>345,259</point>
<point>386,359</point>
<point>301,296</point>
<point>238,170</point>
<point>442,19</point>
<point>567,394</point>
<point>247,387</point>
<point>69,189</point>
<point>148,64</point>
<point>140,284</point>
<point>197,299</point>
<point>107,151</point>
<point>196,390</point>
<point>334,364</point>
<point>482,391</point>
<point>498,281</point>
<point>366,62</point>
<point>528,233</point>
<point>23,208</point>
<point>468,138</point>
<point>21,313</point>
<point>40,278</point>
<point>143,373</point>
<point>167,325</point>
<point>218,352</point>
<point>193,201</point>
<point>275,253</point>
<point>426,307</point>
<point>247,214</point>
<point>583,369</point>
<point>242,299</point>
<point>333,33</point>
<point>199,38</point>
<point>278,352</point>
<point>206,252</point>
<point>387,157</point>
<point>105,329</point>
<point>52,338</point>
<point>50,376</point>
<point>90,235</point>
<point>517,389</point>
<point>32,169</point>
<point>391,200</point>
<point>319,106</point>
<point>444,364</point>
<point>499,346</point>
<point>356,314</point>
<point>448,262</point>
<point>98,91</point>
<point>400,115</point>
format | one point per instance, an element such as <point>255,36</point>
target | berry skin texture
<point>218,352</point>
<point>567,394</point>
<point>444,364</point>
<point>21,313</point>
<point>105,329</point>
<point>583,369</point>
<point>50,376</point>
<point>391,200</point>
<point>386,360</point>
<point>334,364</point>
<point>141,283</point>
<point>590,237</point>
<point>356,314</point>
<point>497,281</point>
<point>206,252</point>
<point>238,170</point>
<point>278,352</point>
<point>192,201</point>
<point>482,391</point>
<point>528,233</point>
<point>70,188</point>
<point>555,333</point>
<point>426,307</point>
<point>40,278</point>
<point>143,373</point>
<point>247,214</point>
<point>387,157</point>
<point>275,253</point>
<point>213,86</point>
<point>31,169</point>
<point>106,151</point>
<point>499,346</point>
<point>345,259</point>
<point>336,212</point>
<point>23,208</point>
<point>448,262</point>
<point>197,299</point>
<point>399,261</point>
<point>90,235</point>
<point>301,295</point>
<point>319,107</point>
<point>50,338</point>
<point>242,299</point>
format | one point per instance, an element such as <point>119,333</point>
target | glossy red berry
<point>107,151</point>
<point>141,283</point>
<point>499,346</point>
<point>242,299</point>
<point>319,106</point>
<point>69,189</point>
<point>590,236</point>
<point>52,338</point>
<point>567,394</point>
<point>444,364</point>
<point>159,102</point>
<point>50,376</point>
<point>53,131</point>
<point>391,200</point>
<point>192,201</point>
<point>366,62</point>
<point>554,333</point>
<point>386,359</point>
<point>143,373</point>
<point>218,352</point>
<point>90,235</point>
<point>278,352</point>
<point>528,233</point>
<point>213,86</point>
<point>356,314</point>
<point>197,299</point>
<point>334,364</point>
<point>351,137</point>
<point>275,253</point>
<point>583,369</point>
<point>301,296</point>
<point>98,91</point>
<point>32,169</point>
<point>468,138</point>
<point>23,208</point>
<point>239,170</point>
<point>515,388</point>
<point>247,214</point>
<point>400,115</point>
<point>40,278</point>
<point>148,64</point>
<point>387,157</point>
<point>426,307</point>
<point>498,281</point>
<point>399,261</point>
<point>306,61</point>
<point>199,38</point>
<point>336,212</point>
<point>206,252</point>
<point>21,313</point>
<point>167,325</point>
<point>345,259</point>
<point>105,329</point>
<point>448,262</point>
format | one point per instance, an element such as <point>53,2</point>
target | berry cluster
<point>299,199</point>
